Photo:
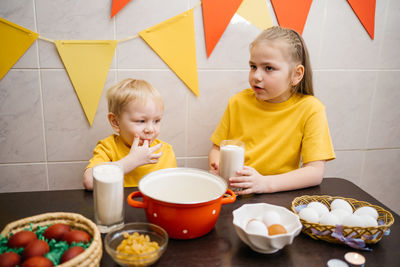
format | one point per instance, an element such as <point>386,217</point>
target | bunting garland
<point>365,11</point>
<point>18,41</point>
<point>256,12</point>
<point>173,40</point>
<point>117,5</point>
<point>216,16</point>
<point>88,62</point>
<point>292,14</point>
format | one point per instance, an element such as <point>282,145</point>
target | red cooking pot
<point>185,202</point>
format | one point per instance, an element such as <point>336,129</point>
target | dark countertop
<point>222,246</point>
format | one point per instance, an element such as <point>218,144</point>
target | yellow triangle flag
<point>173,40</point>
<point>87,64</point>
<point>256,12</point>
<point>15,40</point>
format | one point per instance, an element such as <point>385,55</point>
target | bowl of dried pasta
<point>136,244</point>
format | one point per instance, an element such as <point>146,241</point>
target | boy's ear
<point>298,74</point>
<point>112,118</point>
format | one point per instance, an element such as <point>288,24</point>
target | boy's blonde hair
<point>297,51</point>
<point>129,90</point>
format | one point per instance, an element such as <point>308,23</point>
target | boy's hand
<point>140,155</point>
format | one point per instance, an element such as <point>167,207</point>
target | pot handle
<point>228,199</point>
<point>135,203</point>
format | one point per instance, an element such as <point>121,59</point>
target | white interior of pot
<point>182,186</point>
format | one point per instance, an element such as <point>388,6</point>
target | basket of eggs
<point>51,239</point>
<point>342,220</point>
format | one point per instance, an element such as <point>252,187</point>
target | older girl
<point>283,125</point>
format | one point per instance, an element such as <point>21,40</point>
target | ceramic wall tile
<point>181,162</point>
<point>381,176</point>
<point>389,52</point>
<point>71,20</point>
<point>23,177</point>
<point>68,134</point>
<point>384,129</point>
<point>134,18</point>
<point>174,93</point>
<point>22,13</point>
<point>346,44</point>
<point>313,30</point>
<point>206,111</point>
<point>21,120</point>
<point>347,165</point>
<point>67,175</point>
<point>347,96</point>
<point>198,163</point>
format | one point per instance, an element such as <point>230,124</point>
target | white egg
<point>353,220</point>
<point>329,219</point>
<point>271,217</point>
<point>256,227</point>
<point>320,208</point>
<point>341,204</point>
<point>368,221</point>
<point>309,215</point>
<point>367,211</point>
<point>340,214</point>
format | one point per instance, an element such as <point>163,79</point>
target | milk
<point>108,194</point>
<point>231,158</point>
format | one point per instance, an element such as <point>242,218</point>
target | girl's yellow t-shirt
<point>113,148</point>
<point>277,136</point>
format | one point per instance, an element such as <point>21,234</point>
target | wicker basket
<point>370,235</point>
<point>90,257</point>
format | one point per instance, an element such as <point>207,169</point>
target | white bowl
<point>261,243</point>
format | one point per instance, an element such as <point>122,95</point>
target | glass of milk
<point>231,158</point>
<point>108,194</point>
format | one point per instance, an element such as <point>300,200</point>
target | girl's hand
<point>214,168</point>
<point>249,180</point>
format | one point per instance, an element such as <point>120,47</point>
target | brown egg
<point>38,261</point>
<point>35,248</point>
<point>276,229</point>
<point>9,259</point>
<point>70,253</point>
<point>76,236</point>
<point>21,239</point>
<point>56,231</point>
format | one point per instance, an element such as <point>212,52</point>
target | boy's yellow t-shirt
<point>113,148</point>
<point>277,136</point>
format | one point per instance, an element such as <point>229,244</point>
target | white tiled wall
<point>46,139</point>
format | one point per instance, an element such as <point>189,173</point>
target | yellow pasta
<point>136,244</point>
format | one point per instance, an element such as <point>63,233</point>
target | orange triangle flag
<point>117,5</point>
<point>292,13</point>
<point>174,41</point>
<point>365,11</point>
<point>216,16</point>
<point>87,63</point>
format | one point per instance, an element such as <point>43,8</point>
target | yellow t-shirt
<point>113,148</point>
<point>276,135</point>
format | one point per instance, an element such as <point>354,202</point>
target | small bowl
<point>115,237</point>
<point>261,243</point>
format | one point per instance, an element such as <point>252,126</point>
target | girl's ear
<point>298,74</point>
<point>113,121</point>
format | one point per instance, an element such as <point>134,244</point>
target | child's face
<point>270,71</point>
<point>140,119</point>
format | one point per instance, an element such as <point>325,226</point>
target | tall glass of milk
<point>231,158</point>
<point>108,194</point>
